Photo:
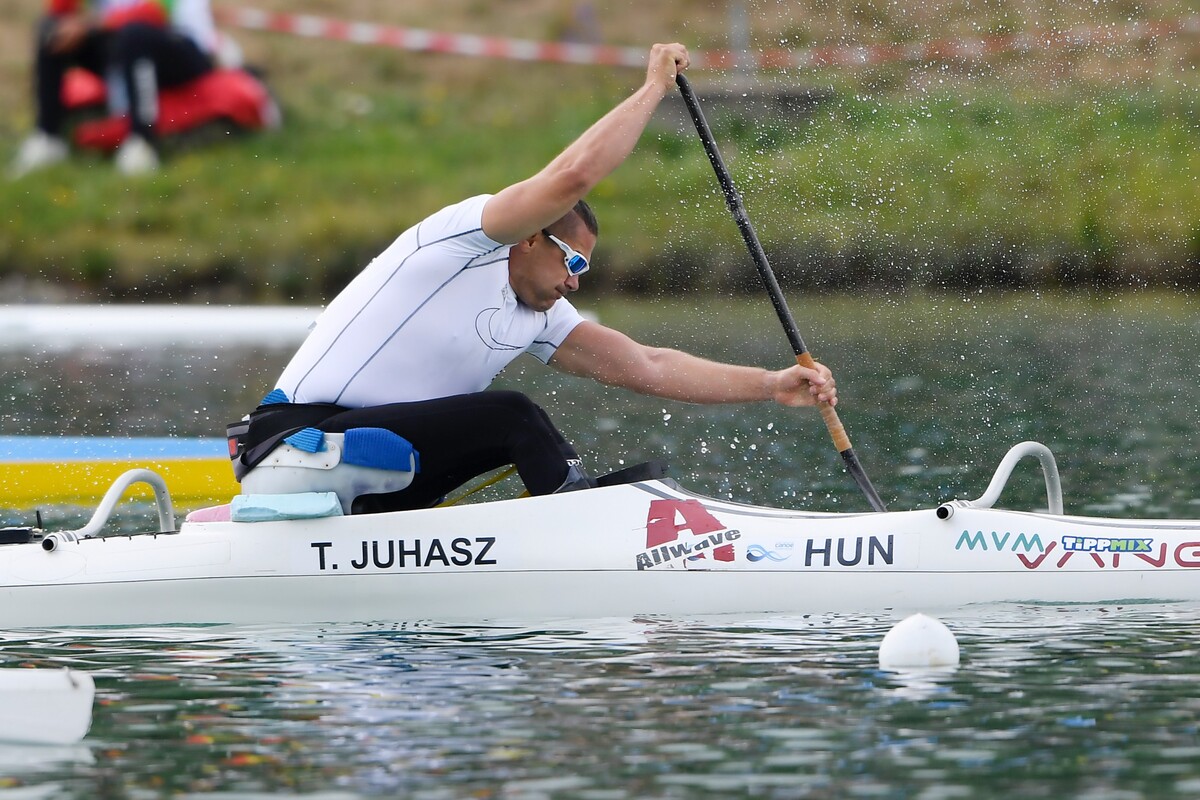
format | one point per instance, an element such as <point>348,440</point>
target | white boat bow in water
<point>643,548</point>
<point>45,706</point>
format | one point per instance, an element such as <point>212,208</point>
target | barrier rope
<point>426,41</point>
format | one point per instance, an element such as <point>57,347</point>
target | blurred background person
<point>136,47</point>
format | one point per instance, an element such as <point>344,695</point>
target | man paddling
<point>411,344</point>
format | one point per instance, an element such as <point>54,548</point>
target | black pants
<point>457,437</point>
<point>144,56</point>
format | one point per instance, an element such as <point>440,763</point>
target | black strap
<point>268,426</point>
<point>649,471</point>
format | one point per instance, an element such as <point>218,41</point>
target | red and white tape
<point>426,41</point>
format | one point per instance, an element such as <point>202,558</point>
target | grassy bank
<point>977,179</point>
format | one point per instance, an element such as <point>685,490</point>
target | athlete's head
<point>547,265</point>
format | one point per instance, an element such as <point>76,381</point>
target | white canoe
<point>642,548</point>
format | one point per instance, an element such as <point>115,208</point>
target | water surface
<point>1050,701</point>
<point>934,388</point>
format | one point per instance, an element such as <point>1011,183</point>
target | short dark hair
<point>587,217</point>
<point>583,215</point>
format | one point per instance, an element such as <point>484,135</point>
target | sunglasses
<point>573,260</point>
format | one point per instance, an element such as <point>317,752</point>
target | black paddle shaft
<point>738,209</point>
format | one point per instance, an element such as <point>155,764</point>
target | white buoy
<point>918,641</point>
<point>45,706</point>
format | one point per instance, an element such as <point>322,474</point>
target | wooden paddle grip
<point>841,440</point>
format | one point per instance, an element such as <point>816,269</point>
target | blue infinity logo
<point>757,552</point>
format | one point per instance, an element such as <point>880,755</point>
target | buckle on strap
<point>235,435</point>
<point>245,458</point>
<point>252,456</point>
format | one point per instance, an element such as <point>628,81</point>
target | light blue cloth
<point>274,507</point>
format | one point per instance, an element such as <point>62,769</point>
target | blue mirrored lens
<point>577,265</point>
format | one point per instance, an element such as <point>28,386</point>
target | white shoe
<point>39,150</point>
<point>136,156</point>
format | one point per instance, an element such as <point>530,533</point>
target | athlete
<point>411,344</point>
<point>136,46</point>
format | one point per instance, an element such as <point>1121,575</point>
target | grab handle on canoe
<point>1054,496</point>
<point>162,499</point>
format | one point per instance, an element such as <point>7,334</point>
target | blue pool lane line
<point>101,448</point>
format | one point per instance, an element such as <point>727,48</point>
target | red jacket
<point>116,13</point>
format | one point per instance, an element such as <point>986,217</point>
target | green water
<point>1049,702</point>
<point>934,390</point>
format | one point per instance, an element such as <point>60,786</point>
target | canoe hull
<point>647,548</point>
